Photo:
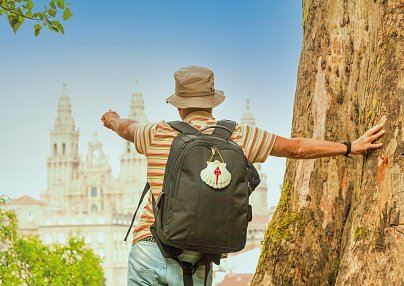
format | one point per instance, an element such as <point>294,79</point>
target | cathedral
<point>83,198</point>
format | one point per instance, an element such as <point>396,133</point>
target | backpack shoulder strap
<point>229,124</point>
<point>182,127</point>
<point>145,190</point>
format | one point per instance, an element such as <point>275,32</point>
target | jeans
<point>147,266</point>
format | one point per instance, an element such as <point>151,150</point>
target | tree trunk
<point>340,221</point>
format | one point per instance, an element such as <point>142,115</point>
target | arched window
<point>93,192</point>
<point>93,208</point>
<point>55,149</point>
<point>64,149</point>
<point>128,147</point>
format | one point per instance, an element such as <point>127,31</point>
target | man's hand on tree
<point>365,142</point>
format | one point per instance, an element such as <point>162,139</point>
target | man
<point>194,97</point>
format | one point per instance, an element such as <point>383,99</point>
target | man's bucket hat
<point>194,87</point>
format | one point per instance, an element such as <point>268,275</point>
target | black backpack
<point>204,204</point>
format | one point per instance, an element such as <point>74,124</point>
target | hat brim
<point>197,101</point>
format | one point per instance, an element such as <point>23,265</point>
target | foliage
<point>283,227</point>
<point>25,260</point>
<point>17,11</point>
<point>360,233</point>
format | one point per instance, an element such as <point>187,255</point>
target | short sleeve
<point>256,143</point>
<point>143,136</point>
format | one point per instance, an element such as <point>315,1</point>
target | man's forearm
<point>124,128</point>
<point>301,148</point>
<point>312,148</point>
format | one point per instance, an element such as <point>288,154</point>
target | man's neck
<point>184,112</point>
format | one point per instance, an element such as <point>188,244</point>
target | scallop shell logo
<point>216,175</point>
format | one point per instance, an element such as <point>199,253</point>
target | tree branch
<point>13,11</point>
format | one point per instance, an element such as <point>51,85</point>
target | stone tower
<point>96,191</point>
<point>63,160</point>
<point>258,198</point>
<point>248,117</point>
<point>132,177</point>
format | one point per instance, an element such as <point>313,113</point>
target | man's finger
<point>374,129</point>
<point>374,146</point>
<point>377,135</point>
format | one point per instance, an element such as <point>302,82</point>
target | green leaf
<point>30,5</point>
<point>37,29</point>
<point>67,14</point>
<point>52,27</point>
<point>52,12</point>
<point>12,20</point>
<point>17,26</point>
<point>60,3</point>
<point>52,4</point>
<point>55,26</point>
<point>15,23</point>
<point>29,14</point>
<point>60,27</point>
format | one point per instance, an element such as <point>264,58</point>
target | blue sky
<point>252,46</point>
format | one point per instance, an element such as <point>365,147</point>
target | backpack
<point>204,203</point>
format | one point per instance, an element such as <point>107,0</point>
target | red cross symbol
<point>217,172</point>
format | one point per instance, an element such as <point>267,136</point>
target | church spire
<point>248,117</point>
<point>64,121</point>
<point>137,107</point>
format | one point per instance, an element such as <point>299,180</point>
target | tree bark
<point>340,221</point>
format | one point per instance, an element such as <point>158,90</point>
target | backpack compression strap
<point>229,124</point>
<point>182,127</point>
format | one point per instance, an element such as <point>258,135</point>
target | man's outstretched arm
<point>301,148</point>
<point>123,127</point>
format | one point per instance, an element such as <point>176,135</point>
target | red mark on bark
<point>381,166</point>
<point>335,46</point>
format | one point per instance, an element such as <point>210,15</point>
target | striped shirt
<point>154,141</point>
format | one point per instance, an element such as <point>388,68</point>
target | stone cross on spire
<point>64,89</point>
